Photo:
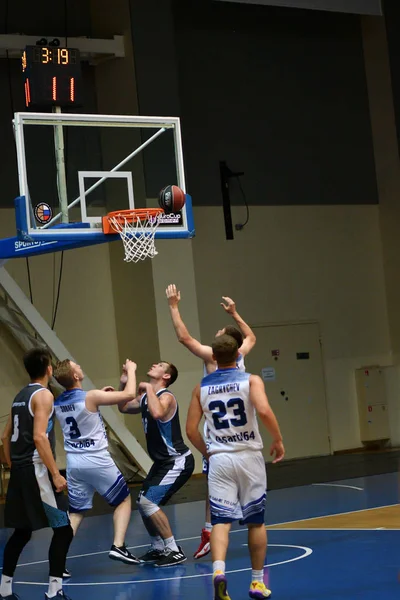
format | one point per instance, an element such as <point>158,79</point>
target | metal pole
<point>60,164</point>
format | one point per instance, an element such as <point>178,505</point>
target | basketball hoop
<point>136,229</point>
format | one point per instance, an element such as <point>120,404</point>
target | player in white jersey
<point>90,467</point>
<point>246,341</point>
<point>229,400</point>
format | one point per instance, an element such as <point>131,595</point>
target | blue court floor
<point>309,564</point>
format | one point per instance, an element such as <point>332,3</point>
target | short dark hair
<point>225,348</point>
<point>37,361</point>
<point>171,370</point>
<point>235,333</point>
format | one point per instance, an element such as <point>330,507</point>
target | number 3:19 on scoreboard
<point>52,77</point>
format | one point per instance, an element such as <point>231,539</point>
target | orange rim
<point>130,215</point>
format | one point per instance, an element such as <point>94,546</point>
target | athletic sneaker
<point>220,584</point>
<point>66,574</point>
<point>258,590</point>
<point>60,594</point>
<point>204,547</point>
<point>170,558</point>
<point>12,597</point>
<point>123,555</point>
<point>152,555</point>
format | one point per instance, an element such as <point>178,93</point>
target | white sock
<point>257,575</point>
<point>170,544</point>
<point>208,527</point>
<point>157,543</point>
<point>55,585</point>
<point>6,586</point>
<point>219,565</point>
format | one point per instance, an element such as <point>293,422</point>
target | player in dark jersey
<point>173,461</point>
<point>34,497</point>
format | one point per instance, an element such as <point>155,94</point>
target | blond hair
<point>63,373</point>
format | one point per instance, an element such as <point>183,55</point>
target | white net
<point>137,236</point>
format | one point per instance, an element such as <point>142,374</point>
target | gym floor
<point>338,540</point>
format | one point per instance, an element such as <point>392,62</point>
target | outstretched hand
<point>228,305</point>
<point>173,295</point>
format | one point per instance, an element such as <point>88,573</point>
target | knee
<point>146,507</point>
<point>63,535</point>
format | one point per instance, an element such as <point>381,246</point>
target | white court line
<point>39,562</point>
<point>186,539</point>
<point>350,487</point>
<point>196,537</point>
<point>349,512</point>
<point>333,529</point>
<point>307,552</point>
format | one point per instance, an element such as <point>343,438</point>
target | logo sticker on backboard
<point>43,213</point>
<point>169,220</point>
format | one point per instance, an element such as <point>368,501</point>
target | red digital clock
<point>52,77</point>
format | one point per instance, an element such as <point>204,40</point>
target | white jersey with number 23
<point>230,416</point>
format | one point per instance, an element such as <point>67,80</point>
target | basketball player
<point>237,484</point>
<point>244,335</point>
<point>246,341</point>
<point>34,497</point>
<point>90,467</point>
<point>173,461</point>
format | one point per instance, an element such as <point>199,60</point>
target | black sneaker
<point>60,594</point>
<point>66,574</point>
<point>151,556</point>
<point>171,558</point>
<point>12,597</point>
<point>123,555</point>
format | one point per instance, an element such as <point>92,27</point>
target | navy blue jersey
<point>22,445</point>
<point>164,438</point>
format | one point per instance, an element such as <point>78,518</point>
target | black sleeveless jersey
<point>23,449</point>
<point>164,439</point>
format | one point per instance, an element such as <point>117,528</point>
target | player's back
<point>22,445</point>
<point>230,416</point>
<point>83,430</point>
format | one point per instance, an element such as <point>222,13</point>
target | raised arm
<point>131,406</point>
<point>96,398</point>
<point>249,338</point>
<point>6,439</point>
<point>259,399</point>
<point>42,407</point>
<point>183,335</point>
<point>161,408</point>
<point>194,416</point>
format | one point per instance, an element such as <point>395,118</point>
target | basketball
<point>171,199</point>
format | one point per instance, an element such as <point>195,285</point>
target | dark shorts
<point>166,478</point>
<point>32,503</point>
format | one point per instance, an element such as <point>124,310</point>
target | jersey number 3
<point>219,413</point>
<point>74,432</point>
<point>15,434</point>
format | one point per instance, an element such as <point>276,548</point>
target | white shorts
<point>89,473</point>
<point>237,485</point>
